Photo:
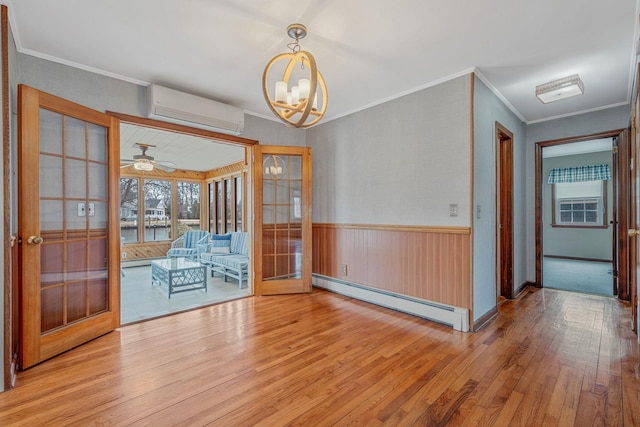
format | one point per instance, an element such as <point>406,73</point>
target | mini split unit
<point>173,106</point>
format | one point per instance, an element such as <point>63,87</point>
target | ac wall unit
<point>190,110</point>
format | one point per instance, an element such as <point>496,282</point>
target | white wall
<point>488,109</point>
<point>573,126</point>
<point>400,163</point>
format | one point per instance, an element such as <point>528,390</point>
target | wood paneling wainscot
<point>432,263</point>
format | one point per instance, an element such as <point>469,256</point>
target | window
<point>129,209</point>
<point>580,211</point>
<point>188,205</point>
<point>579,204</point>
<point>157,210</point>
<point>239,203</point>
<point>226,203</point>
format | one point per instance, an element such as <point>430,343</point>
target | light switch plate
<point>453,209</point>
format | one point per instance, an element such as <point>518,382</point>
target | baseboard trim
<point>456,317</point>
<point>522,288</point>
<point>578,258</point>
<point>486,318</point>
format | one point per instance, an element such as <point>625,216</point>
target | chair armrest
<point>178,243</point>
<point>202,248</point>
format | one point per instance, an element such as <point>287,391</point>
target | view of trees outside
<point>188,205</point>
<point>129,209</point>
<point>225,206</point>
<point>157,210</point>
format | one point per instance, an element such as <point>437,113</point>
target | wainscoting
<point>145,250</point>
<point>428,263</point>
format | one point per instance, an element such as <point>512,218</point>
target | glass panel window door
<point>68,225</point>
<point>283,225</point>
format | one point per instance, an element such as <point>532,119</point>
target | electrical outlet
<point>478,212</point>
<point>453,209</point>
<point>344,269</point>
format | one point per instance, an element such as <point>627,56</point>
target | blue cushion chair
<point>230,261</point>
<point>186,246</point>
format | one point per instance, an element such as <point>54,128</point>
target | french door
<point>67,199</point>
<point>282,224</point>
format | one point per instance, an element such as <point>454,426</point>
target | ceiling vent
<point>173,106</point>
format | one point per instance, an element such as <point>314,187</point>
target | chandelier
<point>295,102</point>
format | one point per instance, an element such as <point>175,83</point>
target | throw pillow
<point>221,240</point>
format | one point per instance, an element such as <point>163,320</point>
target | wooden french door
<point>282,224</point>
<point>67,166</point>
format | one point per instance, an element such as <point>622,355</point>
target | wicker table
<point>178,274</point>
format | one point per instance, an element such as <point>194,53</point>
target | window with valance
<point>579,195</point>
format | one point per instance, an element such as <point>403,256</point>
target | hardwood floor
<point>549,358</point>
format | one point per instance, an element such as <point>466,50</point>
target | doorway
<point>197,184</point>
<point>579,202</point>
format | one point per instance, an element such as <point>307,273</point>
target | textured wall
<point>402,162</point>
<point>488,110</point>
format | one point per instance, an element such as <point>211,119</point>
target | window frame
<point>174,204</point>
<point>220,205</point>
<point>603,208</point>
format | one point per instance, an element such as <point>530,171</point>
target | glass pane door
<point>73,220</point>
<point>283,229</point>
<point>68,224</point>
<point>281,217</point>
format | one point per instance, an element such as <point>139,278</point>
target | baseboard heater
<point>456,317</point>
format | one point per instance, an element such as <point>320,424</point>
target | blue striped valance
<point>579,174</point>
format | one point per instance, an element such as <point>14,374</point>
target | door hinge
<point>615,149</point>
<point>19,240</point>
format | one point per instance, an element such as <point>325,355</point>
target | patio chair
<point>186,245</point>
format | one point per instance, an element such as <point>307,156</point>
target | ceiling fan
<point>145,162</point>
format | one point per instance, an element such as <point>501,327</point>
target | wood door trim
<point>8,243</point>
<point>538,187</point>
<point>187,130</point>
<point>504,171</point>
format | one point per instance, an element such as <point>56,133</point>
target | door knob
<point>633,232</point>
<point>35,240</point>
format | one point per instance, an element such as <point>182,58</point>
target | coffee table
<point>178,274</point>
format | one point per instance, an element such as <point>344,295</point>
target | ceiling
<point>184,151</point>
<point>368,52</point>
<point>573,148</point>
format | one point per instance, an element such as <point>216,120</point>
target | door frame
<point>620,203</point>
<point>504,209</point>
